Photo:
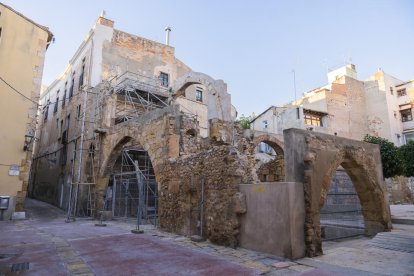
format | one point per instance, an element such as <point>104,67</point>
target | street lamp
<point>28,139</point>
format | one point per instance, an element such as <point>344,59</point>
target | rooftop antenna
<point>103,13</point>
<point>167,35</point>
<point>294,82</point>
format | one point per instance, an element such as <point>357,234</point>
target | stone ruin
<point>195,173</point>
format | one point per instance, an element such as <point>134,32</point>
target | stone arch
<point>312,158</point>
<point>362,173</point>
<point>219,105</point>
<point>111,155</point>
<point>267,168</point>
<point>114,153</point>
<point>111,158</point>
<point>271,140</point>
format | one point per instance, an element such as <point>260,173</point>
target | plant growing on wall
<point>245,121</point>
<point>407,152</point>
<point>391,157</point>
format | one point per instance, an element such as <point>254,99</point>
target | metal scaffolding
<point>135,96</point>
<point>133,187</point>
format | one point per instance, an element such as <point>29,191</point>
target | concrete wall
<point>275,219</point>
<point>23,46</point>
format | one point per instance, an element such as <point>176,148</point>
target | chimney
<point>167,35</point>
<point>104,21</point>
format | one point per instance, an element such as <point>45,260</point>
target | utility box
<point>4,205</point>
<point>4,202</point>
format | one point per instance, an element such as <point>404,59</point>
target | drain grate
<point>20,267</point>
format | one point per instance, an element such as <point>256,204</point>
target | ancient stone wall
<point>272,171</point>
<point>219,170</point>
<point>398,190</point>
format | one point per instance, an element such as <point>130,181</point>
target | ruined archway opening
<point>341,215</point>
<point>132,188</point>
<point>269,162</point>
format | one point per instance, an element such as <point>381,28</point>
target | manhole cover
<point>20,267</point>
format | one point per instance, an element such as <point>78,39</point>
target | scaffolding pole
<point>72,213</point>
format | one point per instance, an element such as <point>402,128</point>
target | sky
<point>253,46</point>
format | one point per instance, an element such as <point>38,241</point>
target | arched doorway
<point>132,188</point>
<point>341,214</point>
<point>269,159</point>
<point>312,159</point>
<point>129,189</point>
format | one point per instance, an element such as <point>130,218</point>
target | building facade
<point>23,45</point>
<point>113,80</point>
<point>348,107</point>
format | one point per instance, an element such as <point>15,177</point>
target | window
<point>164,79</point>
<point>406,115</point>
<point>64,95</point>
<point>391,90</point>
<point>199,95</point>
<point>264,124</point>
<point>46,110</point>
<point>67,122</point>
<point>71,88</point>
<point>409,137</point>
<point>81,76</point>
<point>313,119</point>
<point>55,109</point>
<point>57,124</point>
<point>78,111</point>
<point>0,32</point>
<point>401,92</point>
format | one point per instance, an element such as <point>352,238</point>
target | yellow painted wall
<point>22,50</point>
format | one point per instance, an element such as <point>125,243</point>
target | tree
<point>391,157</point>
<point>245,121</point>
<point>407,152</point>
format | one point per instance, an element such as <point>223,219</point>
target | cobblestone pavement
<point>54,247</point>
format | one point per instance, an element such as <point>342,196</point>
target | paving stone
<point>256,265</point>
<point>207,250</point>
<point>283,264</point>
<point>283,272</point>
<point>267,261</point>
<point>301,268</point>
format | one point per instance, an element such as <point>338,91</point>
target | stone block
<point>18,215</point>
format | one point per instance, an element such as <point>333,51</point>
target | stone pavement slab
<point>53,247</point>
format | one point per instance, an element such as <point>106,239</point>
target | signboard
<point>14,170</point>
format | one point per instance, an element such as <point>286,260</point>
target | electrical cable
<point>18,92</point>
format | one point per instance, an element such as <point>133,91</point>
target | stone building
<point>113,80</point>
<point>23,45</point>
<point>348,107</point>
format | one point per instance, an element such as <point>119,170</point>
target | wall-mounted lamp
<point>28,139</point>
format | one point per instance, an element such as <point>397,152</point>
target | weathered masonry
<point>209,185</point>
<point>112,83</point>
<point>135,133</point>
